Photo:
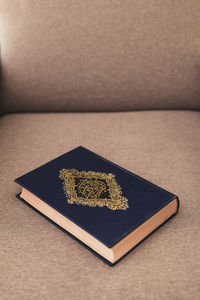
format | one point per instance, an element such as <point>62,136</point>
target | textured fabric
<point>100,55</point>
<point>38,261</point>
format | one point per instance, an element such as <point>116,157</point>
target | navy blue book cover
<point>104,199</point>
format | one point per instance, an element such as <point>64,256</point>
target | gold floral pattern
<point>92,189</point>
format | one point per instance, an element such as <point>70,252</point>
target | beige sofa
<point>121,78</point>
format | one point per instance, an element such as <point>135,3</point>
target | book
<point>105,207</point>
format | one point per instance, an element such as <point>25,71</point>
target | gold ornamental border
<point>116,200</point>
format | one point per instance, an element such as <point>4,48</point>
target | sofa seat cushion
<point>39,261</point>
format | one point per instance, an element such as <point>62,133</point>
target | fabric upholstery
<point>38,261</point>
<point>99,55</point>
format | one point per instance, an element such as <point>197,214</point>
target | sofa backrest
<point>97,55</point>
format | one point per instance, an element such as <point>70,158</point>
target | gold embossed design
<point>92,189</point>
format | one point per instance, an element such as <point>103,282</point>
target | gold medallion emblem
<point>92,189</point>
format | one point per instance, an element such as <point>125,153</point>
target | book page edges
<point>123,246</point>
<point>68,225</point>
<point>136,236</point>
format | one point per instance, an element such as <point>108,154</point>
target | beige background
<point>100,55</point>
<point>75,56</point>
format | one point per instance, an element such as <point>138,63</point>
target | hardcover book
<point>106,208</point>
